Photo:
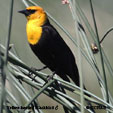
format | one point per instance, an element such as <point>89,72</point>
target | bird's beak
<point>25,12</point>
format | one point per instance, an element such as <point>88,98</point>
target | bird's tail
<point>75,78</point>
<point>74,75</point>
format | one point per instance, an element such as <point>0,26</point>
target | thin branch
<point>101,56</point>
<point>3,78</point>
<point>74,15</point>
<point>9,31</point>
<point>111,29</point>
<point>26,4</point>
<point>39,92</point>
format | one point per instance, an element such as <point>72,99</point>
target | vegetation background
<point>104,18</point>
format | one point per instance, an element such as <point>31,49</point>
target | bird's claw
<point>50,77</point>
<point>34,69</point>
<point>30,73</point>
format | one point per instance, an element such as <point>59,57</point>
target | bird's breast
<point>33,33</point>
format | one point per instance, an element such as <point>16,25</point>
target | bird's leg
<point>40,68</point>
<point>49,77</point>
<point>30,73</point>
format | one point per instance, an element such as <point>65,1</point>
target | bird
<point>48,45</point>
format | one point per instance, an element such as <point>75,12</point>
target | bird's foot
<point>36,70</point>
<point>40,68</point>
<point>50,77</point>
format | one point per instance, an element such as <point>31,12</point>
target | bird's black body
<point>55,54</point>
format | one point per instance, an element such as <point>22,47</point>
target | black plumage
<point>55,54</point>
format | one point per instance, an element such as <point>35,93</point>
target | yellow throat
<point>34,28</point>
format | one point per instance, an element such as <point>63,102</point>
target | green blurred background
<point>104,17</point>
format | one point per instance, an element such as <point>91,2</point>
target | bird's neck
<point>39,21</point>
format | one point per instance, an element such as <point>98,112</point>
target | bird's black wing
<point>57,47</point>
<point>63,61</point>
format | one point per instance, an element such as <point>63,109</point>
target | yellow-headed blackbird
<point>48,45</point>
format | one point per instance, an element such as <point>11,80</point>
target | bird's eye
<point>32,11</point>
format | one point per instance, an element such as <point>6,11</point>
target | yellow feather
<point>34,25</point>
<point>33,33</point>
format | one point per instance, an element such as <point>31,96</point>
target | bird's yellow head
<point>36,18</point>
<point>35,13</point>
